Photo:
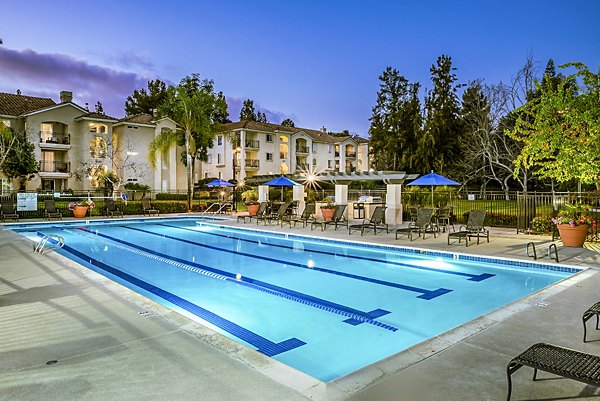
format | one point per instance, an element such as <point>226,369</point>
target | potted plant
<point>250,198</point>
<point>573,224</point>
<point>80,208</point>
<point>328,208</point>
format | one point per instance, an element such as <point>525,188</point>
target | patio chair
<point>594,310</point>
<point>50,210</point>
<point>473,228</point>
<point>556,360</point>
<point>413,212</point>
<point>111,209</point>
<point>443,219</point>
<point>420,226</point>
<point>308,214</point>
<point>281,212</point>
<point>338,218</point>
<point>261,211</point>
<point>377,220</point>
<point>8,211</point>
<point>147,208</point>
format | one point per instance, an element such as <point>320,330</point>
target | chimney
<point>66,96</point>
<point>323,129</point>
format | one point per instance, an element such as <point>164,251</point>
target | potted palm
<point>573,223</point>
<point>328,208</point>
<point>250,198</point>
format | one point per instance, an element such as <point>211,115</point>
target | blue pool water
<point>326,308</point>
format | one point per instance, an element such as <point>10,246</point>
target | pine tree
<point>439,144</point>
<point>147,102</point>
<point>395,122</point>
<point>288,122</point>
<point>247,113</point>
<point>261,117</point>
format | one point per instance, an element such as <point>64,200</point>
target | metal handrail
<point>56,242</point>
<point>555,258</point>
<point>527,251</point>
<point>54,166</point>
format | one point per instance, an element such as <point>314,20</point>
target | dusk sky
<point>316,62</point>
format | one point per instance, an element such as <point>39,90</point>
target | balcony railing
<point>55,137</point>
<point>54,167</point>
<point>301,149</point>
<point>302,166</point>
<point>253,144</point>
<point>350,154</point>
<point>337,154</point>
<point>252,163</point>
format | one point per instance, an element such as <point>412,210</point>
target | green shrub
<point>541,225</point>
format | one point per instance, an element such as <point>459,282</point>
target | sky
<point>316,62</point>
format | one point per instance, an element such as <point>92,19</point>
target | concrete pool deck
<point>110,343</point>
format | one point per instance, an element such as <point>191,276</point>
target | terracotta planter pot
<point>573,236</point>
<point>80,211</point>
<point>253,209</point>
<point>327,213</point>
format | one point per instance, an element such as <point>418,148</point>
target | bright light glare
<point>310,264</point>
<point>439,263</point>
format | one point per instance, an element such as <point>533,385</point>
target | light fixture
<point>132,153</point>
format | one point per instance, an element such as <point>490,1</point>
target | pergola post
<point>298,195</point>
<point>263,193</point>
<point>393,203</point>
<point>341,196</point>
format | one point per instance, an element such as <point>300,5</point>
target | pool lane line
<point>472,277</point>
<point>305,299</point>
<point>425,294</point>
<point>263,345</point>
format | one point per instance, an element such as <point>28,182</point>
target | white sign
<point>471,196</point>
<point>27,202</point>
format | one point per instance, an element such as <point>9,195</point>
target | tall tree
<point>438,146</point>
<point>561,129</point>
<point>99,108</point>
<point>7,141</point>
<point>142,101</point>
<point>261,117</point>
<point>247,113</point>
<point>20,161</point>
<point>198,111</point>
<point>288,122</point>
<point>395,122</point>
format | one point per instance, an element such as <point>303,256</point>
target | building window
<point>269,137</point>
<point>220,140</point>
<point>314,162</point>
<point>269,157</point>
<point>219,158</point>
<point>314,148</point>
<point>330,148</point>
<point>329,164</point>
<point>220,175</point>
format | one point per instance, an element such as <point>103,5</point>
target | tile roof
<point>316,135</point>
<point>139,119</point>
<point>14,105</point>
<point>96,115</point>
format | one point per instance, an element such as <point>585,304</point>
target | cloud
<point>235,105</point>
<point>48,74</point>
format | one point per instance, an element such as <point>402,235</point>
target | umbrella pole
<point>282,193</point>
<point>432,196</point>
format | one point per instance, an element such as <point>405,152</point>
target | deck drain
<point>52,362</point>
<point>146,313</point>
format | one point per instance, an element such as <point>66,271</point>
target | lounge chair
<point>557,360</point>
<point>443,219</point>
<point>50,210</point>
<point>377,220</point>
<point>474,228</point>
<point>594,310</point>
<point>261,211</point>
<point>421,226</point>
<point>8,211</point>
<point>308,214</point>
<point>281,212</point>
<point>338,218</point>
<point>147,208</point>
<point>111,209</point>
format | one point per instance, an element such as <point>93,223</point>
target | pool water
<point>323,307</point>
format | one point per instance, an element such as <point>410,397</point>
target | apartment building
<point>252,148</point>
<point>73,145</point>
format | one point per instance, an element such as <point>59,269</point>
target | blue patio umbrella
<point>434,180</point>
<point>220,183</point>
<point>282,182</point>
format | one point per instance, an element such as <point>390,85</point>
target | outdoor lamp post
<point>235,152</point>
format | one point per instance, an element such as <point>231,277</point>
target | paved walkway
<point>110,343</point>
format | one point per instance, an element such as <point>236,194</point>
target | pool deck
<point>110,343</point>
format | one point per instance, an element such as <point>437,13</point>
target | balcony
<point>54,169</point>
<point>251,164</point>
<point>351,155</point>
<point>282,155</point>
<point>55,140</point>
<point>302,167</point>
<point>302,149</point>
<point>252,144</point>
<point>337,154</point>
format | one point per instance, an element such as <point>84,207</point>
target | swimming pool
<point>323,307</point>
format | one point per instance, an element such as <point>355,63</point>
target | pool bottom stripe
<point>263,345</point>
<point>374,314</point>
<point>472,277</point>
<point>271,289</point>
<point>425,294</point>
